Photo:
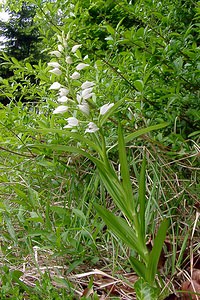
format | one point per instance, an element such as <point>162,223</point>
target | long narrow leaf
<point>140,132</point>
<point>142,198</point>
<point>122,230</point>
<point>138,267</point>
<point>156,251</point>
<point>64,148</point>
<point>124,167</point>
<point>73,135</point>
<point>115,190</point>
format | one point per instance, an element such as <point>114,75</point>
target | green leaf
<point>64,148</point>
<point>122,230</point>
<point>110,29</point>
<point>139,84</point>
<point>126,182</point>
<point>156,250</point>
<point>72,135</point>
<point>142,131</point>
<point>194,133</point>
<point>144,291</point>
<point>115,189</point>
<point>138,267</point>
<point>142,197</point>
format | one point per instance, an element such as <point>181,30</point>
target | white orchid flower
<point>88,95</point>
<point>59,37</point>
<point>75,48</point>
<point>86,91</point>
<point>92,127</point>
<point>55,86</point>
<point>68,60</point>
<point>75,75</point>
<point>56,71</point>
<point>105,108</point>
<point>60,109</point>
<point>81,66</point>
<point>72,122</point>
<point>87,84</point>
<point>63,92</point>
<point>84,107</point>
<point>62,99</point>
<point>56,53</point>
<point>60,48</point>
<point>71,14</point>
<point>53,64</point>
<point>78,98</point>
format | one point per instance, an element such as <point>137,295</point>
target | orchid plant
<point>84,121</point>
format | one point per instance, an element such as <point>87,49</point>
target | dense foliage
<point>101,127</point>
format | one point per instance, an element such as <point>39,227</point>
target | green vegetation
<point>99,143</point>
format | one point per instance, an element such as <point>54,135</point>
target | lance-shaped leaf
<point>123,231</point>
<point>156,251</point>
<point>142,198</point>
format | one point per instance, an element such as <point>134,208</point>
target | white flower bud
<point>68,60</point>
<point>56,71</point>
<point>88,96</point>
<point>55,86</point>
<point>56,53</point>
<point>87,84</point>
<point>60,48</point>
<point>75,48</point>
<point>63,92</point>
<point>62,99</point>
<point>84,107</point>
<point>53,64</point>
<point>105,108</point>
<point>91,128</point>
<point>81,66</point>
<point>60,109</point>
<point>72,122</point>
<point>59,38</point>
<point>75,75</point>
